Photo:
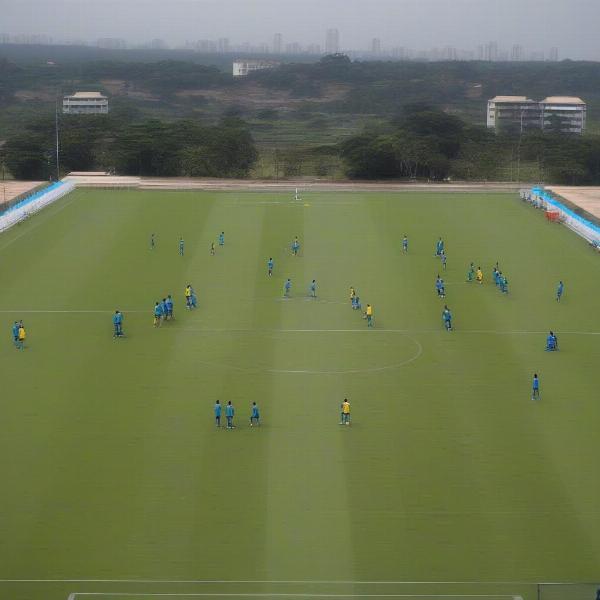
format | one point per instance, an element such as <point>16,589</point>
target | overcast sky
<point>571,25</point>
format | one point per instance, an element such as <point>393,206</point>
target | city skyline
<point>418,25</point>
<point>376,48</point>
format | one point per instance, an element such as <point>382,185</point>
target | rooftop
<point>511,99</point>
<point>563,100</point>
<point>84,95</point>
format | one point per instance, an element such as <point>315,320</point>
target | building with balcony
<point>241,68</point>
<point>564,114</point>
<point>85,103</point>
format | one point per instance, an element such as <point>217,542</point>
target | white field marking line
<point>319,371</point>
<point>272,595</point>
<point>364,330</point>
<point>402,331</point>
<point>408,361</point>
<point>291,582</point>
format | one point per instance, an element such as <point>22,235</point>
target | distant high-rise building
<point>450,53</point>
<point>157,44</point>
<point>293,48</point>
<point>4,38</point>
<point>111,43</point>
<point>313,49</point>
<point>516,52</point>
<point>491,51</point>
<point>332,41</point>
<point>277,43</point>
<point>480,52</point>
<point>399,52</point>
<point>207,46</point>
<point>376,46</point>
<point>554,54</point>
<point>223,45</point>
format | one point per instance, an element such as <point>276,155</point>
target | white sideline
<point>292,582</point>
<point>272,595</point>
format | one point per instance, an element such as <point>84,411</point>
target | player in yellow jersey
<point>345,412</point>
<point>369,315</point>
<point>188,296</point>
<point>479,275</point>
<point>22,336</point>
<point>352,295</point>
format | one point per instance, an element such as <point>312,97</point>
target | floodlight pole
<point>56,128</point>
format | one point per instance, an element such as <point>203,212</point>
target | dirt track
<point>267,185</point>
<point>587,198</point>
<point>11,189</point>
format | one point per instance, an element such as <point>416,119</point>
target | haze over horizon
<point>419,24</point>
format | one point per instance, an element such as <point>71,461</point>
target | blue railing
<point>35,196</point>
<point>559,205</point>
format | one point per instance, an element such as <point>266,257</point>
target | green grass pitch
<point>112,468</point>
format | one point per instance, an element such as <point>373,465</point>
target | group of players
<point>163,311</point>
<point>501,283</point>
<point>230,414</point>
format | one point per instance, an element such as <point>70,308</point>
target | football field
<point>116,484</point>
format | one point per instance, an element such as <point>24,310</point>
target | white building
<point>571,113</point>
<point>85,103</point>
<point>519,114</point>
<point>241,68</point>
<point>332,41</point>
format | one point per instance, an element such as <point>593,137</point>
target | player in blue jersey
<point>229,413</point>
<point>551,342</point>
<point>254,415</point>
<point>15,333</point>
<point>559,291</point>
<point>217,410</point>
<point>193,298</point>
<point>118,324</point>
<point>163,306</point>
<point>181,246</point>
<point>295,246</point>
<point>496,276</point>
<point>439,247</point>
<point>444,260</point>
<point>312,289</point>
<point>471,273</point>
<point>439,286</point>
<point>169,306</point>
<point>158,314</point>
<point>404,244</point>
<point>270,265</point>
<point>535,388</point>
<point>447,318</point>
<point>287,286</point>
<point>222,238</point>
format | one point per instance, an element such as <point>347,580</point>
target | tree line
<point>428,143</point>
<point>149,147</point>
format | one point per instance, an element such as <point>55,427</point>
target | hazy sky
<point>572,25</point>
